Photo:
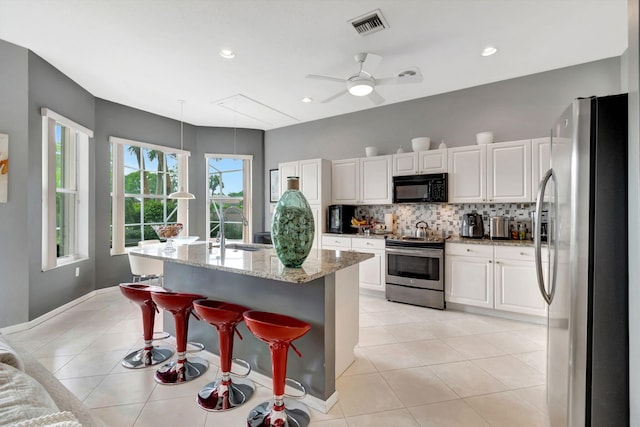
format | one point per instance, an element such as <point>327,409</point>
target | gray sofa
<point>31,396</point>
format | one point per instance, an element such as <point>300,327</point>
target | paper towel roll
<point>388,222</point>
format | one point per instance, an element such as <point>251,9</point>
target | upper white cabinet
<point>285,170</point>
<point>492,173</point>
<point>509,172</point>
<point>345,181</point>
<point>467,174</point>
<point>364,180</point>
<point>540,163</point>
<point>421,162</point>
<point>375,180</point>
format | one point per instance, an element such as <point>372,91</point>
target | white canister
<point>388,222</point>
<point>371,151</point>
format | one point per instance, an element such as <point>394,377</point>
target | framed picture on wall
<point>274,185</point>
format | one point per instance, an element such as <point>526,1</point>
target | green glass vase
<point>292,226</point>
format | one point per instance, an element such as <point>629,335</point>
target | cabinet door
<point>509,172</point>
<point>310,180</point>
<point>469,280</point>
<point>371,270</point>
<point>345,176</point>
<point>540,164</point>
<point>317,236</point>
<point>375,180</point>
<point>467,174</point>
<point>285,170</point>
<point>516,287</point>
<point>433,161</point>
<point>405,164</point>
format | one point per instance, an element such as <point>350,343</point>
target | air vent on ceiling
<point>369,23</point>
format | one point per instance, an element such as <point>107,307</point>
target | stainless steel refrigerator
<point>584,275</point>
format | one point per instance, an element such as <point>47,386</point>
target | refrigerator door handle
<point>537,240</point>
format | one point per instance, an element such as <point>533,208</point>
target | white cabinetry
<point>495,277</point>
<point>469,274</point>
<point>468,174</point>
<point>493,173</point>
<point>509,172</point>
<point>516,284</point>
<point>315,184</point>
<point>421,162</point>
<point>540,163</point>
<point>362,181</point>
<point>373,270</point>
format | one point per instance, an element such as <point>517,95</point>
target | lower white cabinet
<point>373,270</point>
<point>516,284</point>
<point>496,277</point>
<point>468,274</point>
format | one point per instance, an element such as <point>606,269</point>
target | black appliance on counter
<point>472,226</point>
<point>263,237</point>
<point>415,271</point>
<point>339,219</point>
<point>429,188</point>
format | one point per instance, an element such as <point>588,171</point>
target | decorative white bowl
<point>484,138</point>
<point>371,151</point>
<point>185,240</point>
<point>421,143</point>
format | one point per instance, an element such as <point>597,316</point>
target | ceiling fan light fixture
<point>227,54</point>
<point>181,194</point>
<point>360,86</point>
<point>489,50</point>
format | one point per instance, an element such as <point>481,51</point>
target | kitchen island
<point>323,292</point>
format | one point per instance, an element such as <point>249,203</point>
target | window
<point>143,176</point>
<point>229,186</point>
<point>65,192</point>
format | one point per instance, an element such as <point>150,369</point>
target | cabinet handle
<point>468,250</point>
<point>523,254</point>
<point>497,262</point>
<point>490,262</point>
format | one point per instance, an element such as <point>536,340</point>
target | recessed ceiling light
<point>488,51</point>
<point>227,53</point>
<point>306,99</point>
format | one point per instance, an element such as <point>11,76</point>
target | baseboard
<point>35,322</point>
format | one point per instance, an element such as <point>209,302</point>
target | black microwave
<point>339,219</point>
<point>429,188</point>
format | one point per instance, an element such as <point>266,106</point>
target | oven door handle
<point>419,252</point>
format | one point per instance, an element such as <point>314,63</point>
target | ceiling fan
<point>363,83</point>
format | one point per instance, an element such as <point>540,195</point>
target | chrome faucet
<point>221,216</point>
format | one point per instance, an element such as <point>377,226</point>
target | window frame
<point>247,192</point>
<point>118,194</point>
<point>82,136</point>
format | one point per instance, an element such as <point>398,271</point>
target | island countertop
<point>262,263</point>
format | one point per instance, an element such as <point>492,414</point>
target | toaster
<point>499,227</point>
<point>472,226</point>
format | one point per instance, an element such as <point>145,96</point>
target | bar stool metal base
<point>294,414</point>
<point>175,372</point>
<point>223,395</point>
<point>143,358</point>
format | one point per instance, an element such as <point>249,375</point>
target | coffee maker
<point>544,224</point>
<point>472,226</point>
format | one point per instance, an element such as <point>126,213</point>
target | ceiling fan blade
<point>371,62</point>
<point>376,98</point>
<point>331,79</point>
<point>331,98</point>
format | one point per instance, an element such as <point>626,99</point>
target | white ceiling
<point>148,54</point>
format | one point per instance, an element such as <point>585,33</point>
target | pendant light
<point>181,194</point>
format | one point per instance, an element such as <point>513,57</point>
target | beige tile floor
<point>414,367</point>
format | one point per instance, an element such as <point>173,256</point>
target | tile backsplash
<point>446,217</point>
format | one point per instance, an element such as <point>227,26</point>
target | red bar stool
<point>149,354</point>
<point>278,331</point>
<point>180,305</point>
<point>224,394</point>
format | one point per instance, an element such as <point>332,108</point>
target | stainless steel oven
<point>415,271</point>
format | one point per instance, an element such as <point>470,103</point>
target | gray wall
<point>633,83</point>
<point>14,274</point>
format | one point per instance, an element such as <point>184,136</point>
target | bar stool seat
<point>148,355</point>
<point>278,331</point>
<point>180,305</point>
<point>224,393</point>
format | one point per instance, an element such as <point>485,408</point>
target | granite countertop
<point>488,241</point>
<point>263,263</point>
